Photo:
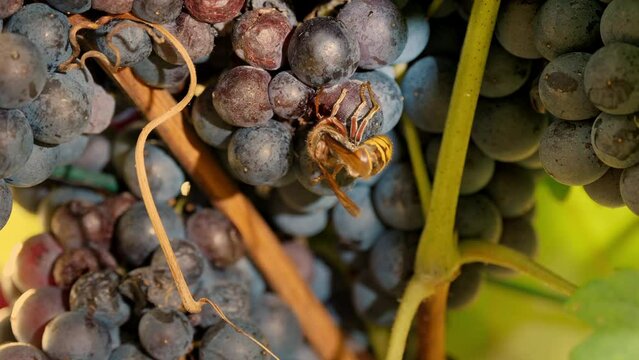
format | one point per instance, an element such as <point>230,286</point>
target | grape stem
<point>495,254</point>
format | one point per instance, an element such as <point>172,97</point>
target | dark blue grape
<point>507,129</point>
<point>515,27</point>
<point>563,26</point>
<point>427,87</point>
<point>47,28</point>
<point>418,33</point>
<point>380,30</point>
<point>148,286</point>
<point>358,232</point>
<point>262,154</point>
<point>6,203</point>
<point>16,141</point>
<point>157,73</point>
<point>215,11</point>
<point>323,52</point>
<point>165,334</point>
<point>294,223</point>
<point>259,37</point>
<point>305,352</point>
<point>136,237</point>
<point>76,335</point>
<point>246,273</point>
<point>72,150</point>
<point>128,352</point>
<point>615,139</point>
<point>38,167</point>
<point>278,324</point>
<point>9,7</point>
<point>6,334</point>
<point>289,97</point>
<point>157,11</point>
<point>24,71</point>
<point>164,174</point>
<point>512,188</point>
<point>478,168</point>
<point>97,293</point>
<point>396,199</point>
<point>371,303</point>
<point>298,198</point>
<point>222,342</point>
<point>465,288</point>
<point>300,253</point>
<point>216,236</point>
<point>561,88</point>
<point>21,351</point>
<point>71,6</point>
<point>112,6</point>
<point>133,43</point>
<point>605,191</point>
<point>208,124</point>
<point>241,96</point>
<point>478,218</point>
<point>619,22</point>
<point>233,298</point>
<point>504,73</point>
<point>322,281</point>
<point>612,79</point>
<point>33,310</point>
<point>566,153</point>
<point>189,258</point>
<point>391,260</point>
<point>389,95</point>
<point>61,112</point>
<point>196,37</point>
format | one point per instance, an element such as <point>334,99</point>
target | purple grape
<point>164,174</point>
<point>216,236</point>
<point>629,187</point>
<point>259,37</point>
<point>278,324</point>
<point>97,154</point>
<point>289,97</point>
<point>63,195</point>
<point>9,7</point>
<point>214,11</point>
<point>102,111</point>
<point>512,189</point>
<point>76,335</point>
<point>283,6</point>
<point>133,43</point>
<point>322,282</point>
<point>294,223</point>
<point>72,264</point>
<point>606,190</point>
<point>391,260</point>
<point>323,51</point>
<point>128,352</point>
<point>615,139</point>
<point>465,288</point>
<point>97,293</point>
<point>147,286</point>
<point>16,141</point>
<point>24,71</point>
<point>302,257</point>
<point>196,37</point>
<point>21,351</point>
<point>157,11</point>
<point>241,96</point>
<point>37,169</point>
<point>222,342</point>
<point>71,6</point>
<point>72,150</point>
<point>47,28</point>
<point>389,94</point>
<point>33,311</point>
<point>478,218</point>
<point>232,297</point>
<point>298,198</point>
<point>34,262</point>
<point>208,124</point>
<point>136,237</point>
<point>6,203</point>
<point>396,199</point>
<point>189,258</point>
<point>157,73</point>
<point>380,30</point>
<point>261,154</point>
<point>113,6</point>
<point>61,112</point>
<point>165,334</point>
<point>358,232</point>
<point>504,73</point>
<point>417,33</point>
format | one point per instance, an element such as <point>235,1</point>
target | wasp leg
<point>338,124</point>
<point>360,107</point>
<point>369,116</point>
<point>338,103</point>
<point>317,100</point>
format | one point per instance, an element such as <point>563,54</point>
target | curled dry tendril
<point>189,303</point>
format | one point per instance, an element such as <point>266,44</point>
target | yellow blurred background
<point>578,239</point>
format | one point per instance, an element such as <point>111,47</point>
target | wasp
<point>334,149</point>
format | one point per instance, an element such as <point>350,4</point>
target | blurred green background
<point>578,239</point>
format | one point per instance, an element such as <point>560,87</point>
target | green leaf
<point>609,303</point>
<point>619,344</point>
<point>558,191</point>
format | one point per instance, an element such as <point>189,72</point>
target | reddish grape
<point>72,264</point>
<point>35,262</point>
<point>216,236</point>
<point>259,37</point>
<point>33,311</point>
<point>197,38</point>
<point>214,11</point>
<point>241,96</point>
